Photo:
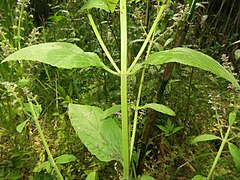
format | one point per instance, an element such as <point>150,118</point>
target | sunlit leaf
<point>160,108</point>
<point>237,54</point>
<point>204,137</point>
<point>59,54</point>
<point>43,166</point>
<point>146,177</point>
<point>111,111</point>
<point>101,136</point>
<point>235,152</point>
<point>65,158</point>
<point>100,4</point>
<point>199,177</point>
<point>21,126</point>
<point>232,118</point>
<point>111,4</point>
<point>92,176</point>
<point>192,58</point>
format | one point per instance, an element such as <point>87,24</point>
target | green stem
<point>224,141</point>
<point>138,100</point>
<point>19,28</point>
<point>148,38</point>
<point>124,106</point>
<point>102,43</point>
<point>59,175</point>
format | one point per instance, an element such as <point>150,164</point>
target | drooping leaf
<point>232,118</point>
<point>204,137</point>
<point>101,4</point>
<point>92,176</point>
<point>21,126</point>
<point>110,111</point>
<point>235,152</point>
<point>59,54</point>
<point>65,158</point>
<point>199,177</point>
<point>193,58</point>
<point>101,137</point>
<point>160,108</point>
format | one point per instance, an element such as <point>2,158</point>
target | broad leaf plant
<point>95,127</point>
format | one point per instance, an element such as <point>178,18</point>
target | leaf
<point>146,177</point>
<point>101,4</point>
<point>199,177</point>
<point>65,158</point>
<point>176,129</point>
<point>92,176</point>
<point>111,4</point>
<point>163,128</point>
<point>59,54</point>
<point>101,137</point>
<point>110,111</point>
<point>43,166</point>
<point>204,137</point>
<point>160,108</point>
<point>232,118</point>
<point>237,54</point>
<point>235,152</point>
<point>193,58</point>
<point>21,126</point>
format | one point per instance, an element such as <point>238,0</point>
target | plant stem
<point>219,153</point>
<point>59,175</point>
<point>124,106</point>
<point>102,43</point>
<point>138,100</point>
<point>147,38</point>
<point>19,27</point>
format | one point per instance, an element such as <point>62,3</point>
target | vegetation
<point>119,89</point>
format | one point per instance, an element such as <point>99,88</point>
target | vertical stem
<point>59,175</point>
<point>125,125</point>
<point>219,153</point>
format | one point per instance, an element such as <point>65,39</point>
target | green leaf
<point>101,137</point>
<point>192,58</point>
<point>163,128</point>
<point>146,177</point>
<point>235,152</point>
<point>232,117</point>
<point>199,177</point>
<point>107,5</point>
<point>110,111</point>
<point>92,176</point>
<point>160,108</point>
<point>65,158</point>
<point>176,129</point>
<point>21,126</point>
<point>101,4</point>
<point>111,4</point>
<point>59,54</point>
<point>43,166</point>
<point>204,137</point>
<point>237,54</point>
